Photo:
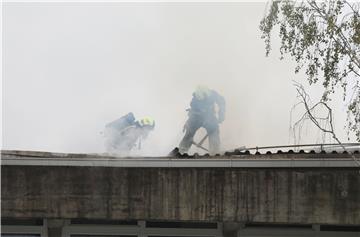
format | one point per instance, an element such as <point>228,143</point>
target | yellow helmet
<point>147,121</point>
<point>201,92</point>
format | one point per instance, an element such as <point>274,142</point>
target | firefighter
<point>202,114</point>
<point>125,133</point>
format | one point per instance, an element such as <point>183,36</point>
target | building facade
<point>287,194</point>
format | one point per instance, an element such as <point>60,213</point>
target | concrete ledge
<point>320,160</point>
<point>184,163</point>
<point>237,194</point>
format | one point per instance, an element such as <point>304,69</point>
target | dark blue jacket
<point>206,106</point>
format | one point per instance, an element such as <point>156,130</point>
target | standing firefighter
<point>202,114</point>
<point>125,133</point>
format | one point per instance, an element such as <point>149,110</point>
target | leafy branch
<point>324,39</point>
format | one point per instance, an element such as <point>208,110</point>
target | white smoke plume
<point>70,68</point>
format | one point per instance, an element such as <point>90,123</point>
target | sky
<point>70,68</point>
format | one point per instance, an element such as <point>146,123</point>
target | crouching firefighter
<point>202,114</point>
<point>126,133</point>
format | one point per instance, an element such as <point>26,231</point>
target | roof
<point>240,159</point>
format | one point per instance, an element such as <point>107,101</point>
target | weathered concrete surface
<point>288,195</point>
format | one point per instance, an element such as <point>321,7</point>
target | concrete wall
<point>273,195</point>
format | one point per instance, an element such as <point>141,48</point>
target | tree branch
<point>309,112</point>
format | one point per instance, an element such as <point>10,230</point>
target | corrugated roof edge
<point>175,154</point>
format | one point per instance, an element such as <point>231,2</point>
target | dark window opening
<point>340,228</point>
<point>101,222</point>
<point>104,235</point>
<point>177,236</point>
<point>19,235</point>
<point>278,225</point>
<point>192,225</point>
<point>9,221</point>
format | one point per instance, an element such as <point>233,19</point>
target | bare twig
<point>328,128</point>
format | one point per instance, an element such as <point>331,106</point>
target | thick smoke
<point>70,68</point>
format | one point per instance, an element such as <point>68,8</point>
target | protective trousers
<point>196,121</point>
